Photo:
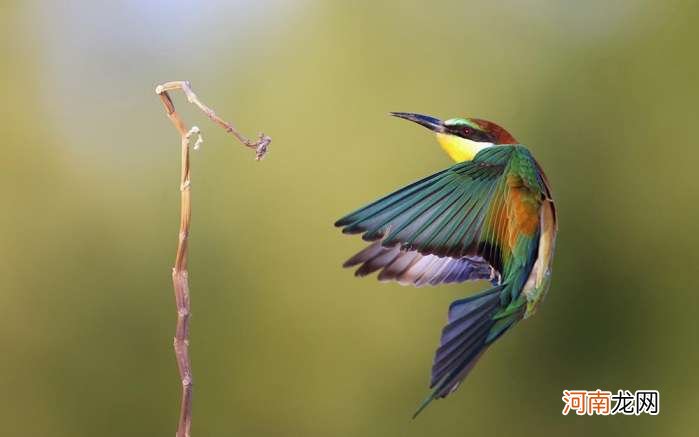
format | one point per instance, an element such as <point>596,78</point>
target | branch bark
<point>180,274</point>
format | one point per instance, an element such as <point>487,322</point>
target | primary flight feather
<point>490,216</point>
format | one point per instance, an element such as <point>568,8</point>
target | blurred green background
<point>284,341</point>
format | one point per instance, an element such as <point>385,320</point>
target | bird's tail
<point>474,323</point>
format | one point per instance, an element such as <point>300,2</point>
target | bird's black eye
<point>466,130</point>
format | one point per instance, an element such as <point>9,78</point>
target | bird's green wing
<point>454,213</point>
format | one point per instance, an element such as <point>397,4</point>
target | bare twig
<point>179,271</point>
<point>260,145</point>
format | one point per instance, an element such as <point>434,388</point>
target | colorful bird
<point>490,216</point>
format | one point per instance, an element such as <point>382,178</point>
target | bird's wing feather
<point>410,267</point>
<point>449,214</point>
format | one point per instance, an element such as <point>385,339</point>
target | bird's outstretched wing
<point>442,228</point>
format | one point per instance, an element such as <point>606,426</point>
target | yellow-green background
<point>284,342</point>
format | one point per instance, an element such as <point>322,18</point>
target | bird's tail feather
<point>465,338</point>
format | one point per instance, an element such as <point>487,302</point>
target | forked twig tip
<point>262,146</point>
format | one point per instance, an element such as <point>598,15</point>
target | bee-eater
<point>489,216</point>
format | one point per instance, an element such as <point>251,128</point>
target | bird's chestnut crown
<point>478,130</point>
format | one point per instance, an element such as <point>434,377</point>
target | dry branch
<point>179,271</point>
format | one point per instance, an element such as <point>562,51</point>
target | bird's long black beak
<point>431,123</point>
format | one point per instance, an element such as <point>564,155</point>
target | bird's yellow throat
<point>460,149</point>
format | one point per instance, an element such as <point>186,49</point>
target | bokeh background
<point>284,341</point>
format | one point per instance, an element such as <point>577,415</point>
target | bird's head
<point>462,138</point>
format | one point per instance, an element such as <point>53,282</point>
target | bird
<point>490,216</point>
